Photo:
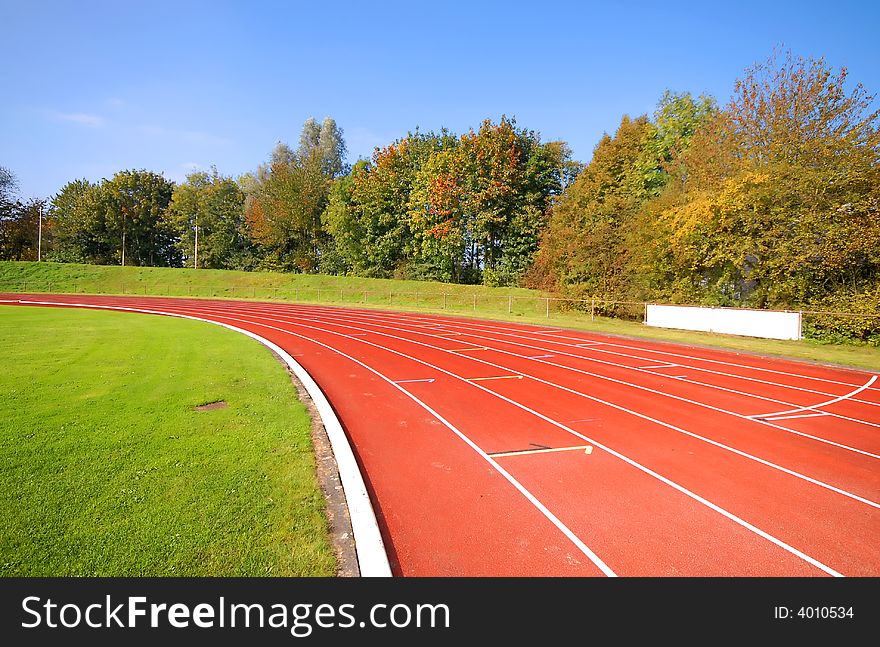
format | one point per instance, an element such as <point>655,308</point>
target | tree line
<point>771,200</point>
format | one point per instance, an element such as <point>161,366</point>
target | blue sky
<point>89,88</point>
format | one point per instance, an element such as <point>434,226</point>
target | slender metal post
<point>40,234</point>
<point>548,306</point>
<point>196,248</point>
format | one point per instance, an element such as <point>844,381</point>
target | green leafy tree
<point>777,203</point>
<point>134,204</point>
<point>584,247</point>
<point>486,201</point>
<point>78,219</point>
<point>8,186</point>
<point>19,230</point>
<point>285,200</point>
<point>369,216</point>
<point>207,212</point>
<point>601,239</point>
<point>325,141</point>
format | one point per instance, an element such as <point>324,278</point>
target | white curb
<point>371,555</point>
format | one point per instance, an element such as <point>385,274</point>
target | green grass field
<point>503,304</point>
<point>107,469</point>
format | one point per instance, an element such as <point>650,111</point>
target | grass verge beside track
<point>106,468</point>
<point>502,304</point>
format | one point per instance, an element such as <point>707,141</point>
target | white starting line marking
<point>427,379</point>
<point>800,415</point>
<point>495,377</point>
<point>813,407</point>
<point>588,449</point>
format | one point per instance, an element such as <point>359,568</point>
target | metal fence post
<point>475,301</point>
<point>592,309</point>
<point>509,304</point>
<point>548,306</point>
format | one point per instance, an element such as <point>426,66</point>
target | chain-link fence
<point>826,325</point>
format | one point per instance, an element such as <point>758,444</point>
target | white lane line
<point>646,417</point>
<point>663,479</point>
<point>520,335</point>
<point>669,395</point>
<point>663,393</point>
<point>646,470</point>
<point>586,344</point>
<point>802,415</point>
<point>540,356</point>
<point>691,381</point>
<point>513,332</point>
<point>494,377</point>
<point>370,549</point>
<point>588,449</point>
<point>846,396</point>
<point>430,379</point>
<point>645,368</point>
<point>595,559</point>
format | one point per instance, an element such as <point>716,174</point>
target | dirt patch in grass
<point>211,406</point>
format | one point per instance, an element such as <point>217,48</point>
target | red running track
<point>494,448</point>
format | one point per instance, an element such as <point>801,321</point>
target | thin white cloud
<point>80,118</point>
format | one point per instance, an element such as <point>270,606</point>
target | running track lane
<point>473,436</point>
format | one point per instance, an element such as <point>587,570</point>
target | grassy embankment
<point>106,468</point>
<point>510,304</point>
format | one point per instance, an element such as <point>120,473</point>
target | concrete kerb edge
<point>370,549</point>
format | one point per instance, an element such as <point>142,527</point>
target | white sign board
<point>771,324</point>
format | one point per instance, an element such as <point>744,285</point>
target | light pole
<point>40,233</point>
<point>196,253</point>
